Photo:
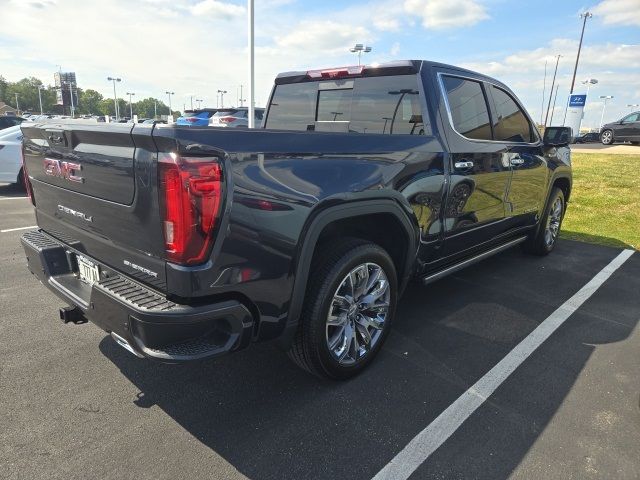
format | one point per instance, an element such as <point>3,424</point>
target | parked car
<point>153,122</point>
<point>10,121</point>
<point>591,137</point>
<point>627,129</point>
<point>10,155</point>
<point>235,118</point>
<point>196,118</point>
<point>305,231</point>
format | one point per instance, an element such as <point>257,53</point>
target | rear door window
<point>468,107</point>
<point>512,124</point>
<point>293,107</point>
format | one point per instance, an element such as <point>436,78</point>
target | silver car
<point>235,118</point>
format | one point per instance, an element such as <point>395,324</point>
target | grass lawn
<point>604,206</point>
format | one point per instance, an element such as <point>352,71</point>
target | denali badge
<point>66,170</point>
<point>140,269</point>
<point>75,213</point>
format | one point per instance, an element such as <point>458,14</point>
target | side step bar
<point>470,261</point>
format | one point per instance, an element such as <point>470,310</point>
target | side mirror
<point>557,136</point>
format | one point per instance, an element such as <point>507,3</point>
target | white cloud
<point>322,36</point>
<point>442,14</point>
<point>217,8</point>
<point>618,12</point>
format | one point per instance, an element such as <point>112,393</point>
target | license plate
<point>88,271</point>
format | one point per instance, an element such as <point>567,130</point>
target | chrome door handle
<point>464,164</point>
<point>517,161</point>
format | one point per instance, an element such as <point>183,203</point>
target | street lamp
<point>633,105</point>
<point>584,16</point>
<point>588,82</point>
<point>40,87</point>
<point>17,104</point>
<point>222,92</point>
<point>130,105</point>
<point>170,93</point>
<point>359,49</point>
<point>605,98</point>
<point>115,96</point>
<point>199,102</point>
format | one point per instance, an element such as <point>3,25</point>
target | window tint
<point>631,118</point>
<point>334,105</point>
<point>512,124</point>
<point>293,107</point>
<point>370,105</point>
<point>468,107</point>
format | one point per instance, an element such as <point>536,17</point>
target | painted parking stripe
<point>16,229</point>
<point>438,431</point>
<point>13,198</point>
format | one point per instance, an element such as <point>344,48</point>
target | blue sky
<point>195,47</point>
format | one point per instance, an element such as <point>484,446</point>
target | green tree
<point>27,91</point>
<point>89,102</point>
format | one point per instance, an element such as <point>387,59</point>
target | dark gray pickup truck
<point>187,243</point>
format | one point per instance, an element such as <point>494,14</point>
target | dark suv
<point>187,243</point>
<point>626,129</point>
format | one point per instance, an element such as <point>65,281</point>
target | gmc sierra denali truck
<point>186,243</point>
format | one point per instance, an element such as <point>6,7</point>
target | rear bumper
<point>140,319</point>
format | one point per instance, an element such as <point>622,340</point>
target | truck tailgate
<point>95,189</point>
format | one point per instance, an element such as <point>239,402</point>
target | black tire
<point>20,180</point>
<point>539,242</point>
<point>330,268</point>
<point>635,143</point>
<point>606,137</point>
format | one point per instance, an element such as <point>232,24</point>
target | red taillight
<point>190,199</point>
<point>336,72</point>
<point>25,179</point>
<point>227,119</point>
<point>192,119</point>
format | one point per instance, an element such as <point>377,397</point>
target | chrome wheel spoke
<point>357,313</point>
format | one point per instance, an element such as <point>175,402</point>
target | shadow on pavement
<point>269,419</point>
<point>12,190</point>
<point>596,239</point>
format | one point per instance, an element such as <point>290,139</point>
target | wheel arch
<point>352,218</point>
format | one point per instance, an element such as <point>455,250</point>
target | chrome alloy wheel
<point>357,313</point>
<point>607,136</point>
<point>553,222</point>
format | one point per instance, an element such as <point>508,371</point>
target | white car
<point>10,155</point>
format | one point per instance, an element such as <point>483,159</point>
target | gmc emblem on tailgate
<point>66,170</point>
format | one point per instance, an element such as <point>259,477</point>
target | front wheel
<point>543,239</point>
<point>349,306</point>
<point>606,137</point>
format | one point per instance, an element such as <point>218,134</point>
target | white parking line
<point>12,198</point>
<point>16,229</point>
<point>438,431</point>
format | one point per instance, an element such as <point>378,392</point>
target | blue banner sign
<point>577,100</point>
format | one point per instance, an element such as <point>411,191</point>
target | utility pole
<point>130,105</point>
<point>40,87</point>
<point>553,82</point>
<point>544,89</point>
<point>584,16</point>
<point>553,109</point>
<point>252,91</point>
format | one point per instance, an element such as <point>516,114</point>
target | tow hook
<point>72,314</point>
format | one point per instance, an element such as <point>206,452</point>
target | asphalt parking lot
<point>73,404</point>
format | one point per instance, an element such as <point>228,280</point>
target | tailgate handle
<point>56,139</point>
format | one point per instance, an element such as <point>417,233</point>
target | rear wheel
<point>20,180</point>
<point>606,137</point>
<point>543,240</point>
<point>349,306</point>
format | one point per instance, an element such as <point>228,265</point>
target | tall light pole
<point>115,96</point>
<point>17,104</point>
<point>222,92</point>
<point>170,93</point>
<point>191,97</point>
<point>588,82</point>
<point>605,98</point>
<point>553,82</point>
<point>544,90</point>
<point>130,105</point>
<point>155,108</point>
<point>633,106</point>
<point>73,107</point>
<point>584,16</point>
<point>359,49</point>
<point>199,102</point>
<point>553,109</point>
<point>40,87</point>
<point>240,98</point>
<point>252,92</point>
